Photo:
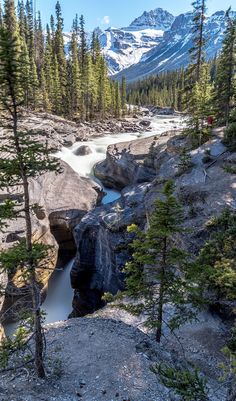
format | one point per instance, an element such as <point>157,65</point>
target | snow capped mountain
<point>155,19</point>
<point>126,46</point>
<point>155,42</point>
<point>123,48</point>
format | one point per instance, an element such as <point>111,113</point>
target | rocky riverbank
<point>59,132</point>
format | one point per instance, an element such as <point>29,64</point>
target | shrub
<point>230,137</point>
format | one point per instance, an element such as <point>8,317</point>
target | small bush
<point>207,156</point>
<point>230,137</point>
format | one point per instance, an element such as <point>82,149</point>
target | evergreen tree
<point>39,45</point>
<point>27,159</point>
<point>123,95</point>
<point>225,77</point>
<point>21,18</point>
<point>197,52</point>
<point>74,73</point>
<point>48,75</point>
<point>30,29</point>
<point>9,17</point>
<point>117,100</point>
<point>60,60</point>
<point>152,272</point>
<point>1,15</point>
<point>83,45</point>
<point>202,95</point>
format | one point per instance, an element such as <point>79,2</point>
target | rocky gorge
<point>75,219</point>
<point>62,199</point>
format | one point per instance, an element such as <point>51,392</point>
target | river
<point>58,303</point>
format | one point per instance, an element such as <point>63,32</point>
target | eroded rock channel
<point>72,220</point>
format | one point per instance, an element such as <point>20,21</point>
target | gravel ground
<point>99,358</point>
<point>91,359</point>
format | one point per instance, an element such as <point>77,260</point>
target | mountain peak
<point>156,19</point>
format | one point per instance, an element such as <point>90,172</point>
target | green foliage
<point>214,270</point>
<point>207,156</point>
<point>187,383</point>
<point>34,155</point>
<point>151,274</point>
<point>164,90</point>
<point>77,86</point>
<point>9,346</point>
<point>230,168</point>
<point>185,161</point>
<point>225,77</point>
<point>7,212</point>
<point>230,137</point>
<point>18,257</point>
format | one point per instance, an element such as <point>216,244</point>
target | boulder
<point>82,151</point>
<point>145,123</point>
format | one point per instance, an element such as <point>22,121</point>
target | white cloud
<point>106,20</point>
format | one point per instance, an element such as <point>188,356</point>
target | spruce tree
<point>202,95</point>
<point>22,158</point>
<point>117,100</point>
<point>197,52</point>
<point>123,95</point>
<point>74,71</point>
<point>48,74</point>
<point>30,28</point>
<point>83,45</point>
<point>9,16</point>
<point>60,59</point>
<point>154,274</point>
<point>225,77</point>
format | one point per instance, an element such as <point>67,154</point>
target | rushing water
<point>58,303</point>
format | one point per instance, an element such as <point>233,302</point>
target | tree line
<point>74,85</point>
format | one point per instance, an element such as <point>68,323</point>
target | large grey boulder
<point>134,162</point>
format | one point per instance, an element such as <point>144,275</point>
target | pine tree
<point>83,45</point>
<point>1,15</point>
<point>59,49</point>
<point>48,70</point>
<point>117,100</point>
<point>74,71</point>
<point>225,77</point>
<point>21,18</point>
<point>39,45</point>
<point>9,17</point>
<point>27,159</point>
<point>123,95</point>
<point>197,52</point>
<point>152,272</point>
<point>202,95</point>
<point>30,28</point>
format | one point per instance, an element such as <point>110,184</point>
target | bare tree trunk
<point>161,293</point>
<point>160,314</point>
<point>39,344</point>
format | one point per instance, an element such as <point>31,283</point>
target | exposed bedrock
<point>134,162</point>
<point>63,200</point>
<point>101,238</point>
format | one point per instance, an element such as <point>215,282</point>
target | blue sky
<point>120,13</point>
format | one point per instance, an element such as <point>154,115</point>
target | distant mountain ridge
<point>155,42</point>
<point>156,19</point>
